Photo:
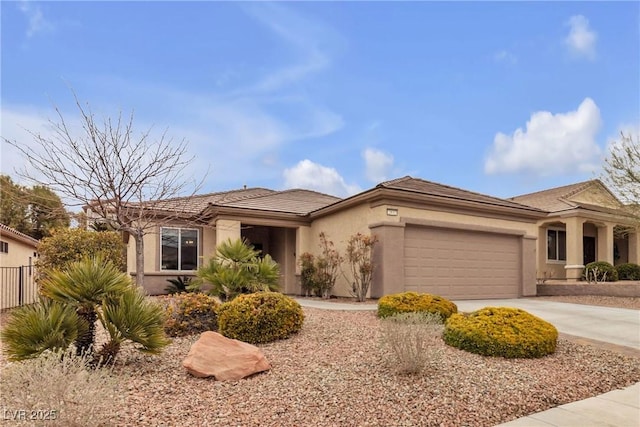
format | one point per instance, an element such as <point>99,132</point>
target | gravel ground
<point>335,372</point>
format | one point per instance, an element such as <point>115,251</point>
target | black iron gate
<point>17,286</point>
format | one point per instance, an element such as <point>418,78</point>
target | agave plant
<point>237,268</point>
<point>48,325</point>
<point>84,285</point>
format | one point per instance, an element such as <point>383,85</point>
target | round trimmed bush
<point>628,271</point>
<point>260,317</point>
<point>409,302</point>
<point>600,271</point>
<point>501,331</point>
<point>191,313</point>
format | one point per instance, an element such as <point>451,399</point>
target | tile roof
<point>296,201</point>
<point>197,203</point>
<point>556,199</point>
<point>6,230</point>
<point>421,186</point>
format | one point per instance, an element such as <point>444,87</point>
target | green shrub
<point>406,302</point>
<point>600,271</point>
<point>191,313</point>
<point>628,271</point>
<point>71,245</point>
<point>501,331</point>
<point>260,317</point>
<point>412,339</point>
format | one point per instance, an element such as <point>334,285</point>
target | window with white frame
<point>556,245</point>
<point>179,248</point>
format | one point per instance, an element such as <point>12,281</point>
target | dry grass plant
<point>59,389</point>
<point>412,339</point>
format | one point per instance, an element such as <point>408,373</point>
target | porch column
<point>605,243</point>
<point>227,229</point>
<point>388,258</point>
<point>634,247</point>
<point>303,243</point>
<point>575,250</point>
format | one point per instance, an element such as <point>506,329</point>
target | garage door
<point>460,264</point>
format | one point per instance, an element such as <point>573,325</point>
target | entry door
<point>589,248</point>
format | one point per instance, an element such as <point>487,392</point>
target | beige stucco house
<point>432,237</point>
<point>585,223</point>
<point>16,248</point>
<point>18,253</point>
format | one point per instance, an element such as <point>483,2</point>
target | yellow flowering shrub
<point>260,317</point>
<point>501,331</point>
<point>190,313</point>
<point>410,302</point>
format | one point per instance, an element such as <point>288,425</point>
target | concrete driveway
<point>613,325</point>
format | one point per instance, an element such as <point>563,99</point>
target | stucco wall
<point>338,228</point>
<point>596,195</point>
<point>19,253</point>
<point>341,225</point>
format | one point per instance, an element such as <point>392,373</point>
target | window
<point>179,249</point>
<point>556,245</point>
<point>4,247</point>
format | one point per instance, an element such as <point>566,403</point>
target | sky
<point>501,98</point>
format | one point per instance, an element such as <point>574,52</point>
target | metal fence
<point>17,286</point>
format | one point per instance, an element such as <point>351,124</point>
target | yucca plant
<point>178,285</point>
<point>238,269</point>
<point>84,285</point>
<point>130,316</point>
<point>48,325</point>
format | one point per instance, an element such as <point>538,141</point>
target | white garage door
<point>460,264</point>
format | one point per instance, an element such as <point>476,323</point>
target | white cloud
<point>581,40</point>
<point>378,164</point>
<point>551,144</point>
<point>311,42</point>
<point>313,176</point>
<point>15,126</point>
<point>37,22</point>
<point>505,56</point>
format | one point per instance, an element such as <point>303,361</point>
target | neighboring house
<point>18,253</point>
<point>16,248</point>
<point>585,223</point>
<point>432,237</point>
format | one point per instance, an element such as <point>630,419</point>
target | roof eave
<point>399,195</point>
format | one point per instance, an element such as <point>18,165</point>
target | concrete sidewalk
<point>618,326</point>
<point>618,408</point>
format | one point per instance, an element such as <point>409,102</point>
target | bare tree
<point>622,171</point>
<point>122,178</point>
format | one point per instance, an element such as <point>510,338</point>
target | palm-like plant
<point>130,316</point>
<point>72,301</point>
<point>84,285</point>
<point>236,269</point>
<point>32,329</point>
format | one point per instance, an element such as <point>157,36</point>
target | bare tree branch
<point>123,178</point>
<point>622,171</point>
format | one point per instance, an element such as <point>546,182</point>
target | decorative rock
<point>223,358</point>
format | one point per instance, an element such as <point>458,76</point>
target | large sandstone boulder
<point>223,358</point>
